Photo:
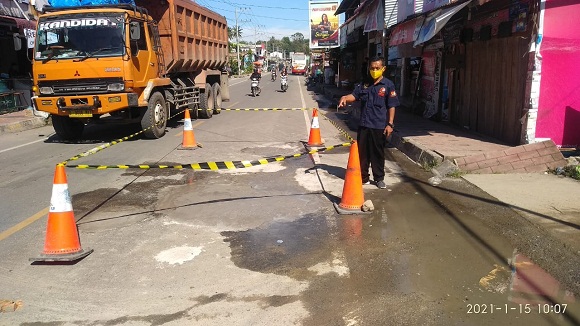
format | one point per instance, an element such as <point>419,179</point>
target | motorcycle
<point>255,88</point>
<point>273,76</point>
<point>283,83</point>
<point>310,81</point>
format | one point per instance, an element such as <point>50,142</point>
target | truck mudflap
<point>85,106</point>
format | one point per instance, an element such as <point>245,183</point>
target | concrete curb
<point>25,124</point>
<point>416,151</point>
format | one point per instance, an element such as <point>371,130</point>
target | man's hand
<point>342,102</point>
<point>388,131</point>
<point>345,100</point>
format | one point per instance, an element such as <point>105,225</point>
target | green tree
<point>297,37</point>
<point>286,44</point>
<point>232,33</point>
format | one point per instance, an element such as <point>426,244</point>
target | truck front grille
<point>80,86</point>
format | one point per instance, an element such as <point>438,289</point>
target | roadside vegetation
<point>571,171</point>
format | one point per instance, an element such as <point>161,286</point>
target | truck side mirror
<point>134,31</point>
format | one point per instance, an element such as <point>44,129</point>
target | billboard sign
<point>323,25</point>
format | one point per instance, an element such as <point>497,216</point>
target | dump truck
<point>139,62</point>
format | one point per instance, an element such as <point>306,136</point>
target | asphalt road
<point>256,246</point>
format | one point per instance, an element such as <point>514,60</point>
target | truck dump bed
<point>192,37</point>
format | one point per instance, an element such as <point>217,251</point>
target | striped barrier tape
<point>109,144</point>
<point>120,140</point>
<point>213,166</point>
<point>342,131</point>
<point>265,109</point>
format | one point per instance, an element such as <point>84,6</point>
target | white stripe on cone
<point>187,125</point>
<point>60,200</point>
<point>315,123</point>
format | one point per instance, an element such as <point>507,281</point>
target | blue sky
<point>261,20</point>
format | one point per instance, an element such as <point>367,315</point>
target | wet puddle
<point>135,201</point>
<point>285,248</point>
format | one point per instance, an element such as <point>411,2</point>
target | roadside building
<point>501,68</point>
<point>17,31</point>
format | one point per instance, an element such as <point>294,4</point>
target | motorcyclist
<point>274,74</point>
<point>284,72</point>
<point>256,75</point>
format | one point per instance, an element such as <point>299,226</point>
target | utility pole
<point>238,41</point>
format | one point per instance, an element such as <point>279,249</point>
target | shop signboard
<point>323,25</point>
<point>406,32</point>
<point>431,82</point>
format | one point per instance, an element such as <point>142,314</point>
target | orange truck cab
<point>129,63</point>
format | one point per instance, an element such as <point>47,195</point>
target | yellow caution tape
<point>120,140</point>
<point>109,144</point>
<point>263,109</point>
<point>213,166</point>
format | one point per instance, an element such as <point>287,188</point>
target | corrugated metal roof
<point>390,13</point>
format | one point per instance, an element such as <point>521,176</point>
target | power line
<point>260,16</point>
<point>253,26</point>
<point>253,5</point>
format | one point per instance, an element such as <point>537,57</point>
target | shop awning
<point>436,20</point>
<point>375,18</point>
<point>344,6</point>
<point>406,32</point>
<point>20,22</point>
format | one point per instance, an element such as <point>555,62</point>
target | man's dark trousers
<point>371,149</point>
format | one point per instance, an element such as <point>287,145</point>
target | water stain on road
<point>133,202</point>
<point>284,248</point>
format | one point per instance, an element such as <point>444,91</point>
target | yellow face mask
<point>376,74</point>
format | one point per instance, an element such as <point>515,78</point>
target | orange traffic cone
<point>352,191</point>
<point>62,238</point>
<point>314,137</point>
<point>188,136</point>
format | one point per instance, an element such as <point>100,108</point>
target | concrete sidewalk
<point>515,176</point>
<point>21,120</point>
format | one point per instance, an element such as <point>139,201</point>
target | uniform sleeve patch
<point>393,94</point>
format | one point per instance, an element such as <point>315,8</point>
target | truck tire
<point>217,98</point>
<point>67,128</point>
<point>206,103</point>
<point>225,85</point>
<point>154,120</point>
<point>193,110</point>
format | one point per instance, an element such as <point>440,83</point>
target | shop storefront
<point>16,43</point>
<point>493,84</point>
<point>473,64</point>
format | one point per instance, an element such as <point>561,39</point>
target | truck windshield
<point>80,36</point>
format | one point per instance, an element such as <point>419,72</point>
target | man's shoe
<point>366,183</point>
<point>381,184</point>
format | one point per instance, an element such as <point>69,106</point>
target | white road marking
<point>15,147</point>
<point>305,112</point>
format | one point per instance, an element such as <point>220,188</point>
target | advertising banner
<point>323,25</point>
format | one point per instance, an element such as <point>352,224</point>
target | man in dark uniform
<point>377,115</point>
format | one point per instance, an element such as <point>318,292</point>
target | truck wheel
<point>67,128</point>
<point>217,98</point>
<point>154,120</point>
<point>206,103</point>
<point>193,110</point>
